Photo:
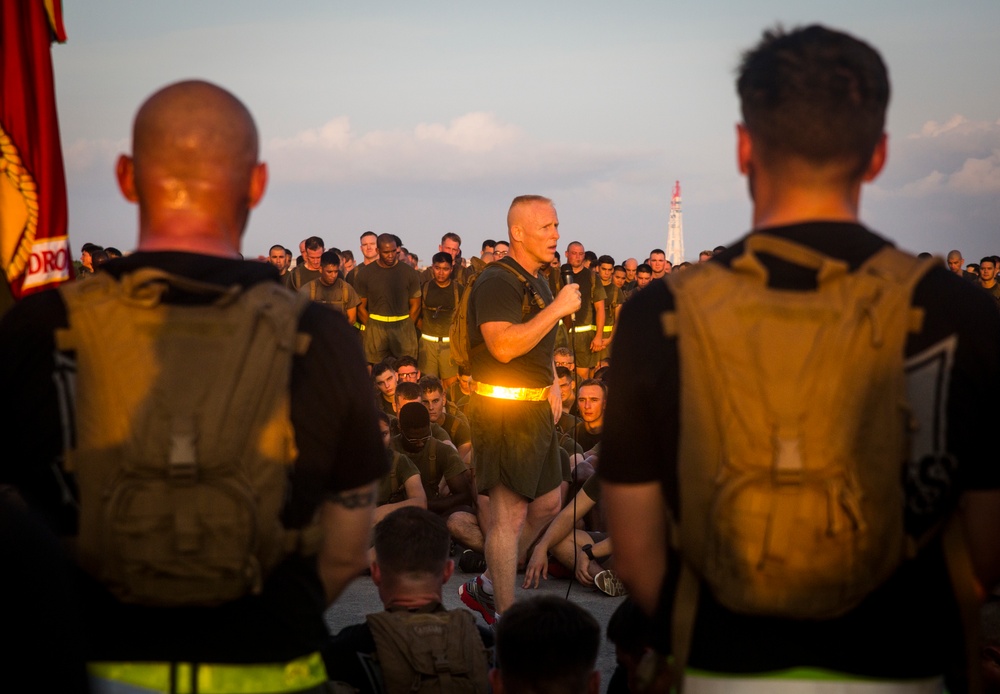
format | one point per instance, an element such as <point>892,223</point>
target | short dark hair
<point>412,540</point>
<point>90,248</point>
<point>605,260</point>
<point>315,243</point>
<point>488,243</point>
<point>329,258</point>
<point>406,360</point>
<point>591,256</point>
<point>368,233</point>
<point>442,257</point>
<point>659,251</point>
<point>407,390</point>
<point>386,238</point>
<point>278,246</point>
<point>594,382</point>
<point>814,93</point>
<point>382,367</point>
<point>643,267</point>
<point>546,644</point>
<point>562,372</point>
<point>113,252</point>
<point>347,254</point>
<point>988,259</point>
<point>451,236</point>
<point>430,384</point>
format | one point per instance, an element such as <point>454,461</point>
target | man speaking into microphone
<point>512,327</point>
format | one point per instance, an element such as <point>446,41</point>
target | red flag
<point>34,249</point>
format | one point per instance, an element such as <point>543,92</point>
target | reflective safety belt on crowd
<point>387,319</point>
<point>608,328</point>
<point>434,338</point>
<point>209,678</point>
<point>583,329</point>
<point>504,393</point>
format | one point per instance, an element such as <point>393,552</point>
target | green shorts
<point>383,340</point>
<point>515,445</point>
<point>581,346</point>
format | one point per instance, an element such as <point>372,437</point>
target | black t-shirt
<point>909,626</point>
<point>438,306</point>
<point>338,443</point>
<point>498,296</point>
<point>388,289</point>
<point>592,291</point>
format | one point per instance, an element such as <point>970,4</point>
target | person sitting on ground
<point>589,553</point>
<point>407,392</point>
<point>384,377</point>
<point>411,565</point>
<point>407,370</point>
<point>401,486</point>
<point>546,645</point>
<point>446,415</point>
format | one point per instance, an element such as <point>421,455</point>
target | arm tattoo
<point>354,499</point>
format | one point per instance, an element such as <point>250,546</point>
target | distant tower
<point>675,229</point>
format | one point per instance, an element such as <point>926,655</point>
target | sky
<point>420,118</point>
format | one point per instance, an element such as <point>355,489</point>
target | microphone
<point>569,278</point>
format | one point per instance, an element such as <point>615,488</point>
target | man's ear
<point>744,149</point>
<point>878,160</point>
<point>125,173</point>
<point>376,573</point>
<point>449,569</point>
<point>258,184</point>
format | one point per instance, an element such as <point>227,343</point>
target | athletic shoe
<point>472,562</point>
<point>607,582</point>
<point>474,596</point>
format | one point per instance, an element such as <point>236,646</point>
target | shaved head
<point>193,166</point>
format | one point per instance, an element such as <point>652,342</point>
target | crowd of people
<point>724,445</point>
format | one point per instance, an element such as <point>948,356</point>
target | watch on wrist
<point>589,551</point>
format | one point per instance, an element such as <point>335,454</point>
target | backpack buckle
<point>182,463</point>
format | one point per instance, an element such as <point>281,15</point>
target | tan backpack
<point>794,428</point>
<point>430,652</point>
<point>459,338</point>
<point>183,437</point>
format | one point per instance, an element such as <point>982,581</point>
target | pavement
<point>361,598</point>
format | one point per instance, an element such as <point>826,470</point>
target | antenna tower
<point>675,228</point>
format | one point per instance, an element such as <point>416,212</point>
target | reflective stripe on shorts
<point>433,338</point>
<point>387,319</point>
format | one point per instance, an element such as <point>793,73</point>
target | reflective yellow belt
<point>213,678</point>
<point>387,319</point>
<point>608,328</point>
<point>432,338</point>
<point>503,393</point>
<point>359,326</point>
<point>583,329</point>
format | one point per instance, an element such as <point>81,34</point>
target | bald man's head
<point>189,127</point>
<point>194,163</point>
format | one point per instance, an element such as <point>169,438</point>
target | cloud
<point>470,148</point>
<point>957,156</point>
